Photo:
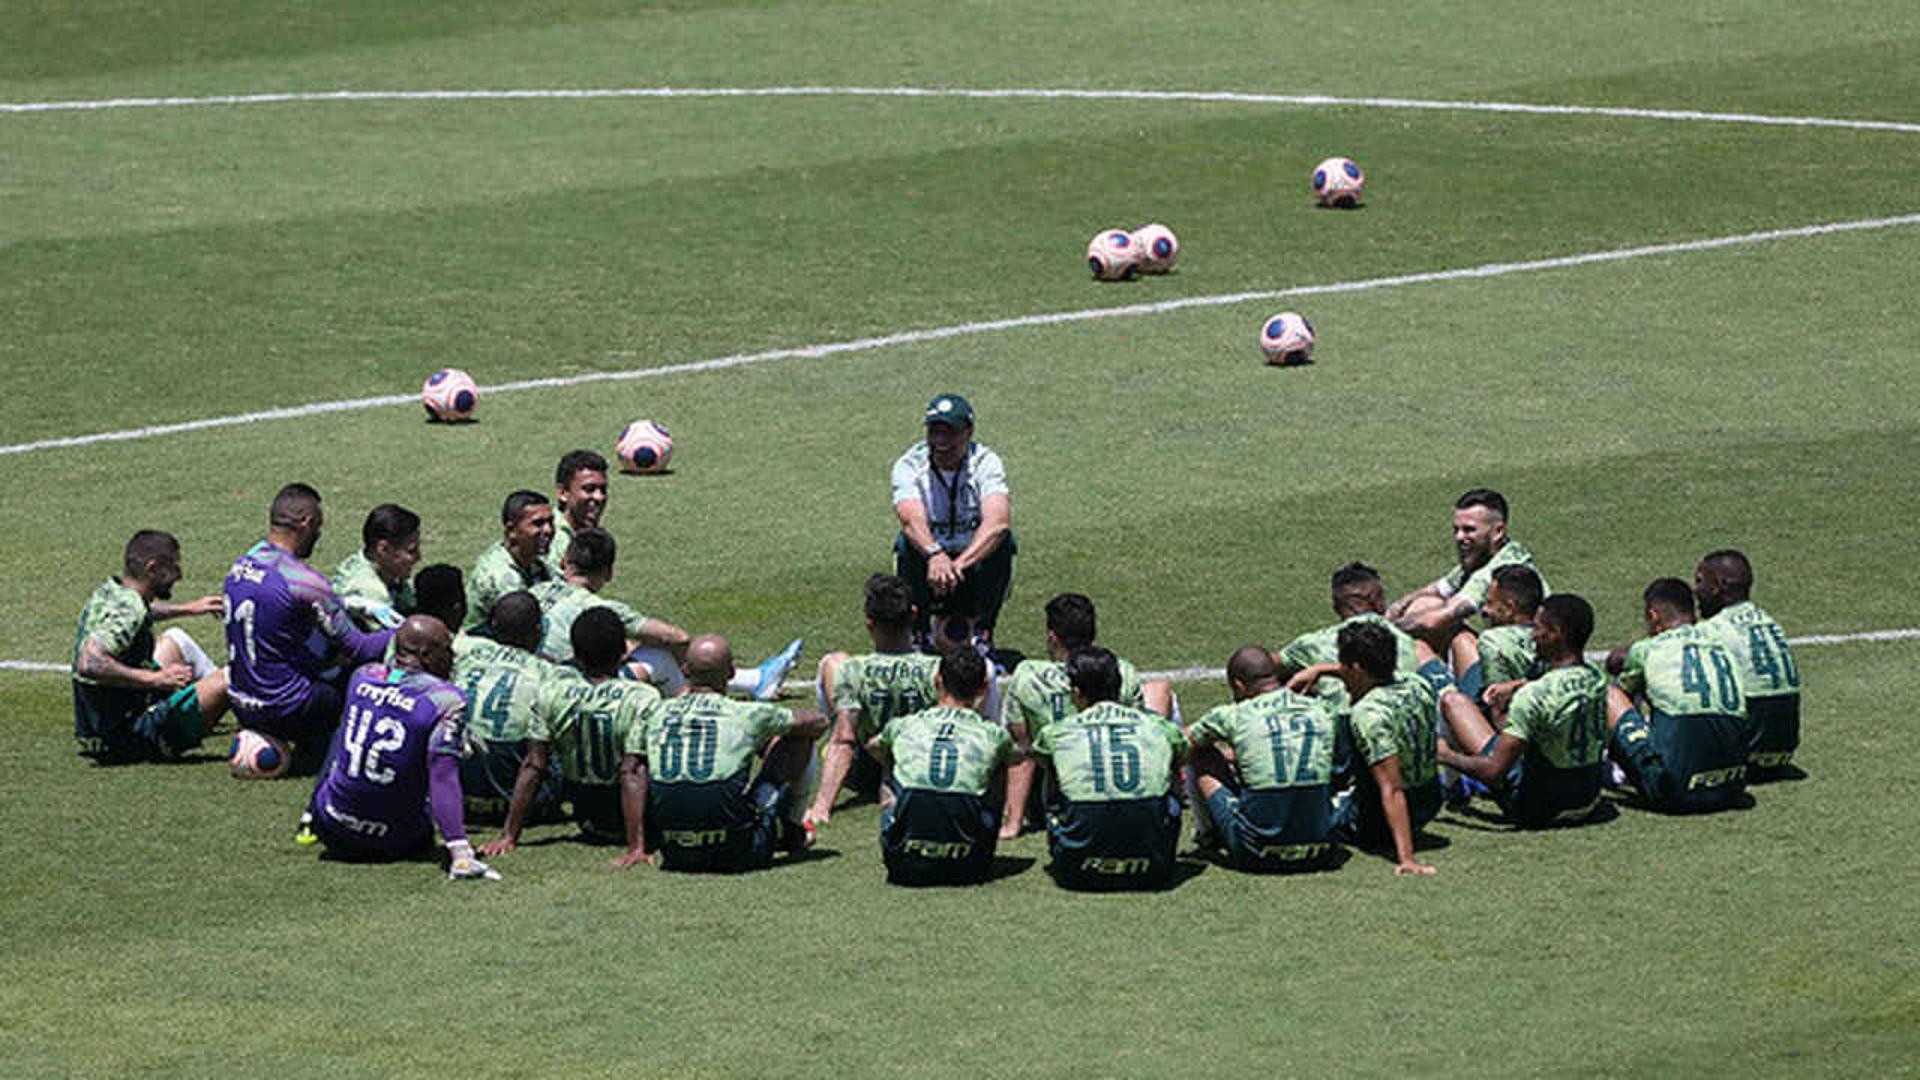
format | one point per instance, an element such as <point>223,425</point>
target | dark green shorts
<point>1683,764</point>
<point>120,725</point>
<point>1776,722</point>
<point>713,827</point>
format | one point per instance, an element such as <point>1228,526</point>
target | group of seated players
<point>553,703</point>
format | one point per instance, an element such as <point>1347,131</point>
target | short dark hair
<point>592,551</point>
<point>517,504</point>
<point>147,545</point>
<point>440,591</point>
<point>1486,497</point>
<point>1572,614</point>
<point>1071,619</point>
<point>1523,584</point>
<point>515,619</point>
<point>1734,572</point>
<point>1670,593</point>
<point>1094,672</point>
<point>962,672</point>
<point>1352,582</point>
<point>889,601</point>
<point>387,522</point>
<point>293,504</point>
<point>599,640</point>
<point>1370,645</point>
<point>577,461</point>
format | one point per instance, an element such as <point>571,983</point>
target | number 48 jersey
<point>394,722</point>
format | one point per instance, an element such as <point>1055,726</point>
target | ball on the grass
<point>1158,247</point>
<point>1112,255</point>
<point>1338,182</point>
<point>1286,338</point>
<point>256,755</point>
<point>643,447</point>
<point>450,394</point>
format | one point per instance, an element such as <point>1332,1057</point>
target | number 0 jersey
<point>946,748</point>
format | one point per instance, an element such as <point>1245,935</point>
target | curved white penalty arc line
<point>1230,97</point>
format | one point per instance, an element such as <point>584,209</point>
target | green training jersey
<point>373,604</point>
<point>116,616</point>
<point>1038,694</point>
<point>1474,586</point>
<point>494,575</point>
<point>946,748</point>
<point>1506,654</point>
<point>700,737</point>
<point>1322,646</point>
<point>561,602</point>
<point>562,540</point>
<point>1112,753</point>
<point>1399,719</point>
<point>1562,716</point>
<point>1685,671</point>
<point>1759,648</point>
<point>507,688</point>
<point>592,726</point>
<point>1279,739</point>
<point>879,687</point>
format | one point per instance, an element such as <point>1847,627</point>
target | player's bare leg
<point>837,757</point>
<point>1208,770</point>
<point>1467,728</point>
<point>1013,814</point>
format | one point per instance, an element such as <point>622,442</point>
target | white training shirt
<point>952,499</point>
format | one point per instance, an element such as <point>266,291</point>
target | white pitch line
<point>1229,97</point>
<point>915,337</point>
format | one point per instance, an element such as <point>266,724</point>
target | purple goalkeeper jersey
<point>285,625</point>
<point>400,740</point>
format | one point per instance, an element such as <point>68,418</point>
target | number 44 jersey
<point>374,791</point>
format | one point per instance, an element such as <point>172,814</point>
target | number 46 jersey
<point>375,792</point>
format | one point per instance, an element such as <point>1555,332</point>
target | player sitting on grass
<point>1358,596</point>
<point>1688,750</point>
<point>1544,767</point>
<point>135,697</point>
<point>1113,815</point>
<point>509,690</point>
<point>395,775</point>
<point>1396,779</point>
<point>518,560</point>
<point>946,766</point>
<point>1494,663</point>
<point>580,494</point>
<point>1436,612</point>
<point>1262,769</point>
<point>1039,694</point>
<point>373,582</point>
<point>705,810</point>
<point>1724,582</point>
<point>593,726</point>
<point>863,693</point>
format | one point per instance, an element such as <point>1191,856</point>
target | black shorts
<point>716,827</point>
<point>938,838</point>
<point>1114,845</point>
<point>1685,764</point>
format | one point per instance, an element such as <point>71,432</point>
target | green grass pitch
<point>164,264</point>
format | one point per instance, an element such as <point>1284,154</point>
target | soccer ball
<point>1113,256</point>
<point>1337,181</point>
<point>1158,248</point>
<point>643,447</point>
<point>255,755</point>
<point>449,394</point>
<point>1286,338</point>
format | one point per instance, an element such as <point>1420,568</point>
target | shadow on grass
<point>1784,774</point>
<point>1004,866</point>
<point>1336,857</point>
<point>1627,799</point>
<point>1477,818</point>
<point>1185,869</point>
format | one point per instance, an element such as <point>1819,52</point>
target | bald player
<point>1724,584</point>
<point>1437,611</point>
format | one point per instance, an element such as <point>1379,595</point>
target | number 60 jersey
<point>394,723</point>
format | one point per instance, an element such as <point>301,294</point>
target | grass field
<point>162,264</point>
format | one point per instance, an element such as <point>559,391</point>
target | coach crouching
<point>956,545</point>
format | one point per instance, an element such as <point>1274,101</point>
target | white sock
<point>745,681</point>
<point>993,704</point>
<point>1174,700</point>
<point>662,671</point>
<point>190,650</point>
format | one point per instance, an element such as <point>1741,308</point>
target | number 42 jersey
<point>375,791</point>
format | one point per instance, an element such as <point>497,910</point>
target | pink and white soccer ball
<point>256,755</point>
<point>1158,248</point>
<point>1112,255</point>
<point>450,394</point>
<point>1338,182</point>
<point>644,447</point>
<point>1286,338</point>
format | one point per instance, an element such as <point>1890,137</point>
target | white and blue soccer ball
<point>1158,247</point>
<point>1338,182</point>
<point>256,755</point>
<point>1287,338</point>
<point>1112,255</point>
<point>449,395</point>
<point>644,447</point>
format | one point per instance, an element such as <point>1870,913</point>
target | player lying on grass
<point>1688,750</point>
<point>593,725</point>
<point>1436,612</point>
<point>705,809</point>
<point>1358,596</point>
<point>946,767</point>
<point>1110,770</point>
<point>1395,775</point>
<point>1764,661</point>
<point>509,691</point>
<point>1261,772</point>
<point>579,496</point>
<point>863,693</point>
<point>137,697</point>
<point>374,582</point>
<point>1544,766</point>
<point>1494,663</point>
<point>1039,693</point>
<point>518,560</point>
<point>394,775</point>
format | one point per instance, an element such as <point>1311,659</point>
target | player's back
<point>1769,677</point>
<point>1283,749</point>
<point>591,727</point>
<point>375,794</point>
<point>1039,694</point>
<point>1398,719</point>
<point>884,686</point>
<point>941,826</point>
<point>700,751</point>
<point>506,689</point>
<point>1699,713</point>
<point>1322,646</point>
<point>1562,716</point>
<point>1111,819</point>
<point>271,656</point>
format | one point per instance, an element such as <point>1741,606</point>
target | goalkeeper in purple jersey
<point>286,628</point>
<point>394,773</point>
